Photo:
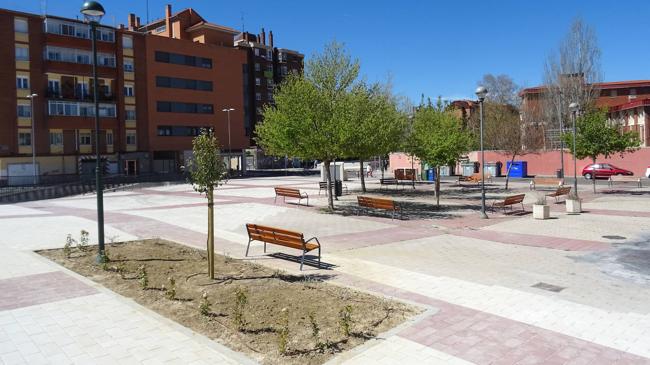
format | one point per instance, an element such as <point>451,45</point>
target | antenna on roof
<point>147,11</point>
<point>243,29</point>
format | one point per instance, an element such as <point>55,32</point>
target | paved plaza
<point>574,289</point>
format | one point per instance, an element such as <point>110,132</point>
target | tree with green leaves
<point>207,171</point>
<point>376,127</point>
<point>438,138</point>
<point>597,136</point>
<point>311,110</point>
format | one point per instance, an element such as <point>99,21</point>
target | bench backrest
<point>547,181</point>
<point>623,178</point>
<point>274,235</point>
<point>514,199</point>
<point>290,192</point>
<point>477,176</point>
<point>380,203</point>
<point>389,180</point>
<point>564,190</point>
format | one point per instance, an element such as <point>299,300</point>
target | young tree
<point>310,111</point>
<point>438,138</point>
<point>207,171</point>
<point>596,136</point>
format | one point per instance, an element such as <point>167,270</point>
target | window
<point>130,138</point>
<point>283,70</point>
<point>177,107</point>
<point>84,139</point>
<point>105,35</point>
<point>53,87</point>
<point>613,93</point>
<point>178,83</point>
<point>25,139</point>
<point>56,138</point>
<point>20,25</point>
<point>76,109</point>
<point>160,29</point>
<point>128,90</point>
<point>269,54</point>
<point>128,65</point>
<point>78,56</point>
<point>24,111</point>
<point>179,131</point>
<point>258,82</point>
<point>129,114</point>
<point>257,67</point>
<point>22,53</point>
<point>179,59</point>
<point>258,96</point>
<point>67,29</point>
<point>257,52</point>
<point>269,68</point>
<point>22,82</point>
<point>127,42</point>
<point>109,138</point>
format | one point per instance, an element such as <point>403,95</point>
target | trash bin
<point>518,169</point>
<point>431,174</point>
<point>493,168</point>
<point>338,188</point>
<point>558,173</point>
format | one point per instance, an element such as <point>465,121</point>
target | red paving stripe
<point>37,289</point>
<point>484,338</point>
<point>35,215</point>
<point>522,239</point>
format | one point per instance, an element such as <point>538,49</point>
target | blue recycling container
<point>431,174</point>
<point>519,168</point>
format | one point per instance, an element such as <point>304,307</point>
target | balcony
<point>78,96</point>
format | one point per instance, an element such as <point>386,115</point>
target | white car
<point>647,172</point>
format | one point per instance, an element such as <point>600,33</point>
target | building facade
<point>159,85</point>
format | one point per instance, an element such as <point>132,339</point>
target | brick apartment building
<point>159,84</point>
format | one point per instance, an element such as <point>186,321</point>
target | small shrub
<point>345,320</point>
<point>143,277</point>
<point>171,292</point>
<point>540,199</point>
<point>241,300</point>
<point>67,248</point>
<point>83,241</point>
<point>315,332</point>
<point>283,333</point>
<point>121,269</point>
<point>226,258</point>
<point>205,306</point>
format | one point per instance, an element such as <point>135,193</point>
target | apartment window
<point>76,109</point>
<point>178,131</point>
<point>20,25</point>
<point>127,42</point>
<point>632,91</point>
<point>178,83</point>
<point>613,93</point>
<point>160,29</point>
<point>258,68</point>
<point>25,139</point>
<point>258,96</point>
<point>178,107</point>
<point>56,138</point>
<point>54,87</point>
<point>129,114</point>
<point>22,82</point>
<point>105,35</point>
<point>128,90</point>
<point>109,138</point>
<point>179,59</point>
<point>78,56</point>
<point>269,54</point>
<point>283,70</point>
<point>84,139</point>
<point>258,82</point>
<point>67,29</point>
<point>22,53</point>
<point>128,65</point>
<point>257,51</point>
<point>269,68</point>
<point>24,111</point>
<point>130,138</point>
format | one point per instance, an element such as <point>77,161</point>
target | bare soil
<point>272,305</point>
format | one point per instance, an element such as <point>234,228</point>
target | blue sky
<point>431,47</point>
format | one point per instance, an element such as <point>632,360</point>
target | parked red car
<point>603,170</point>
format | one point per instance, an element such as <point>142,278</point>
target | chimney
<point>271,38</point>
<point>131,21</point>
<point>168,24</point>
<point>137,22</point>
<point>263,40</point>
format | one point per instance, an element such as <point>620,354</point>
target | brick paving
<point>42,288</point>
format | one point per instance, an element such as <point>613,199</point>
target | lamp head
<point>574,107</point>
<point>481,92</point>
<point>92,11</point>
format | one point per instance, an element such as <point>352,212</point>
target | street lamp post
<point>559,116</point>
<point>481,92</point>
<point>31,114</point>
<point>228,110</point>
<point>93,13</point>
<point>574,109</point>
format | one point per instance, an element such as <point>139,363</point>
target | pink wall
<point>546,163</point>
<point>399,160</point>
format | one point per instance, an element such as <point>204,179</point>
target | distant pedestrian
<point>368,170</point>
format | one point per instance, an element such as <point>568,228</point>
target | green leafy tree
<point>207,171</point>
<point>438,138</point>
<point>596,136</point>
<point>311,110</point>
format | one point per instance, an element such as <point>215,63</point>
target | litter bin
<point>493,168</point>
<point>518,169</point>
<point>431,174</point>
<point>338,188</point>
<point>558,173</point>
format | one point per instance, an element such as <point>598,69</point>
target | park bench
<point>322,185</point>
<point>475,178</point>
<point>546,181</point>
<point>624,179</point>
<point>290,193</point>
<point>282,237</point>
<point>510,201</point>
<point>379,203</point>
<point>388,181</point>
<point>562,190</point>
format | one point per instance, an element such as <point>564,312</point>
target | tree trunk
<point>211,232</point>
<point>328,174</point>
<point>437,186</point>
<point>593,176</point>
<point>363,176</point>
<point>512,160</point>
<point>381,165</point>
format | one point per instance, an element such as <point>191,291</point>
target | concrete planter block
<point>573,206</point>
<point>541,211</point>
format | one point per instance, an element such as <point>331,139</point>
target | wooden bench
<point>322,185</point>
<point>379,203</point>
<point>562,190</point>
<point>388,181</point>
<point>475,178</point>
<point>290,193</point>
<point>547,181</point>
<point>624,179</point>
<point>510,201</point>
<point>282,237</point>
